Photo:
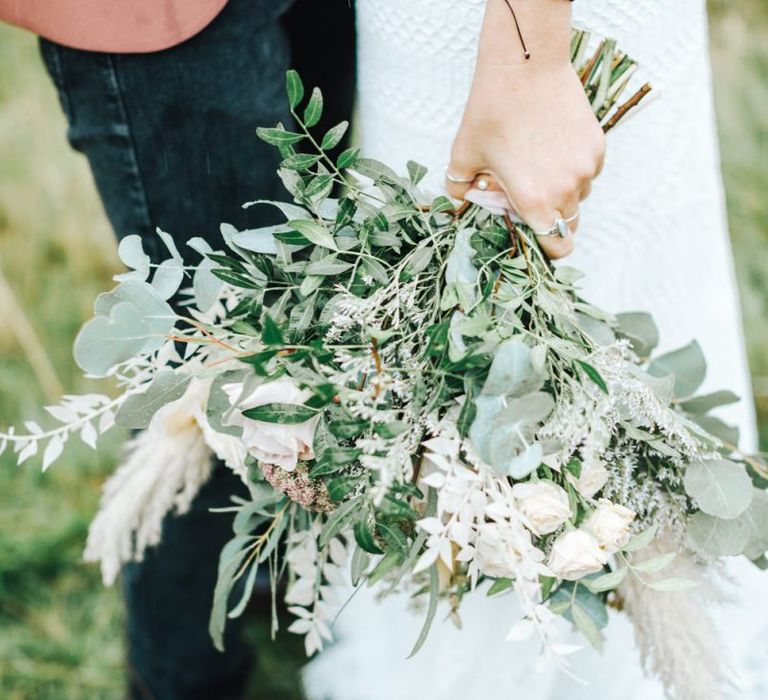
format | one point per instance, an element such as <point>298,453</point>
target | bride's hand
<point>529,127</point>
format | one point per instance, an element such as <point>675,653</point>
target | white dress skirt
<point>653,236</point>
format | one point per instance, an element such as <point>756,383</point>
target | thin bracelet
<point>526,52</point>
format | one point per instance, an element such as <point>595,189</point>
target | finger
<point>600,164</point>
<point>458,183</point>
<point>494,200</point>
<point>555,245</point>
<point>464,168</point>
<point>586,189</point>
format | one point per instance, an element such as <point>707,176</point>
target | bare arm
<point>527,123</point>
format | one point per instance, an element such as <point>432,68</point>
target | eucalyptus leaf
<point>131,252</point>
<point>590,603</point>
<point>599,331</point>
<point>168,278</point>
<point>104,342</point>
<point>756,520</point>
<point>139,294</point>
<point>717,536</point>
<point>503,431</point>
<point>718,428</point>
<point>218,406</point>
<point>719,487</point>
<point>511,371</point>
<point>641,331</point>
<point>206,287</point>
<point>137,410</point>
<point>687,365</point>
<point>170,244</point>
<point>705,403</point>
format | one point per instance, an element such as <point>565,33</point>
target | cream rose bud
<point>591,479</point>
<point>575,554</point>
<point>610,525</point>
<point>273,443</point>
<point>544,504</point>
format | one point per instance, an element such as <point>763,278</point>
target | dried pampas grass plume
<point>676,637</point>
<point>165,468</point>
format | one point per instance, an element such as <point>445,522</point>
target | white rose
<point>544,504</point>
<point>575,554</point>
<point>592,479</point>
<point>273,443</point>
<point>609,525</point>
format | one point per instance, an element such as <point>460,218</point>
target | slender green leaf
<point>587,627</point>
<point>607,582</point>
<point>314,110</point>
<point>347,158</point>
<point>365,539</point>
<point>286,413</point>
<point>434,585</point>
<point>594,375</point>
<point>334,136</point>
<point>299,162</point>
<point>314,232</point>
<point>295,88</point>
<point>271,333</point>
<point>278,137</point>
<point>499,585</point>
<point>138,409</point>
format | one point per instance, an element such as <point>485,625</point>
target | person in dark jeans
<point>170,138</point>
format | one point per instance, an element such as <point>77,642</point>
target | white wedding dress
<point>653,236</point>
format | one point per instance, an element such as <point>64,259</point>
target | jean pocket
<point>52,59</point>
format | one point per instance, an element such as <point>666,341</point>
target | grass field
<point>60,631</point>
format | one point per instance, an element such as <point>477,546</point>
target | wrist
<point>544,31</point>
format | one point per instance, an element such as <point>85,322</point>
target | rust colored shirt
<point>115,26</point>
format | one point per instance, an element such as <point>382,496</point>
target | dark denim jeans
<point>171,143</point>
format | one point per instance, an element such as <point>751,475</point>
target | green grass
<point>60,631</point>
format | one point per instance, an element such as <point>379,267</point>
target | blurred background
<point>60,631</point>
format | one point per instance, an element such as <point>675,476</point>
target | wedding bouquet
<point>415,398</point>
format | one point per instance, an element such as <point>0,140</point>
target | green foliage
<point>719,487</point>
<point>687,365</point>
<point>61,631</point>
<point>137,411</point>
